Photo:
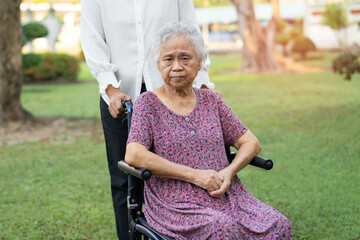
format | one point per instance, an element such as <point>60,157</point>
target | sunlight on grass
<point>309,124</point>
<point>70,100</point>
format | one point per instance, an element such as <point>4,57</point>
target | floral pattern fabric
<point>185,211</point>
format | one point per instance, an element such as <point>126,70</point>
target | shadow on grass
<point>37,90</point>
<point>310,58</point>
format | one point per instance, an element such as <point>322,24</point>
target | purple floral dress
<point>185,211</point>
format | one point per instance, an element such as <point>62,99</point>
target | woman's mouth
<point>176,78</point>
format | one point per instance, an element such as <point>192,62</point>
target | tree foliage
<point>346,64</point>
<point>335,17</point>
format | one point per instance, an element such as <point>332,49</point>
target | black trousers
<point>116,134</point>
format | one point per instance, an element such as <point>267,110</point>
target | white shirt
<point>116,38</point>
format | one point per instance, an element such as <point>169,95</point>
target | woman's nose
<point>177,65</point>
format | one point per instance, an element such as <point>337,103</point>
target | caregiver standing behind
<point>115,38</point>
<point>179,133</point>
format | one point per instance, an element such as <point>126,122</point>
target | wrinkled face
<point>178,62</point>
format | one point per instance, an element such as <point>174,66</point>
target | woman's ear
<point>199,65</point>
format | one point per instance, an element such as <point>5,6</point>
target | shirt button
<point>187,119</point>
<point>192,133</point>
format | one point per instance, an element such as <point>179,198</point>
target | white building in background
<point>310,10</point>
<point>325,37</point>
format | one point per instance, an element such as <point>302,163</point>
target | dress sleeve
<point>231,125</point>
<point>93,43</point>
<point>187,14</point>
<point>141,130</point>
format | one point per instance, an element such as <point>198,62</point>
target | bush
<point>34,30</point>
<point>81,55</point>
<point>295,33</point>
<point>24,40</point>
<point>32,60</point>
<point>303,45</point>
<point>281,26</point>
<point>347,63</point>
<point>53,67</point>
<point>283,39</point>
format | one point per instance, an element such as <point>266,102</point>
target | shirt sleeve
<point>93,43</point>
<point>141,130</point>
<point>187,14</point>
<point>231,125</point>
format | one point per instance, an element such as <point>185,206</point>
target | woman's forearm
<point>247,148</point>
<point>137,155</point>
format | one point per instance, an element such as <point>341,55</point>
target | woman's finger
<point>219,182</point>
<point>219,192</point>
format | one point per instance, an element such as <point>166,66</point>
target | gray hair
<point>180,29</point>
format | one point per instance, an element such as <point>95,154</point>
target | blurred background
<point>298,91</point>
<point>218,22</point>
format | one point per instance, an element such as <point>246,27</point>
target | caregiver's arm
<point>96,51</point>
<point>137,155</point>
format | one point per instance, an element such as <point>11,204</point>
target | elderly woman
<point>179,133</point>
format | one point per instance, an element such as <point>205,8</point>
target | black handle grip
<point>141,173</point>
<point>260,162</point>
<point>257,161</point>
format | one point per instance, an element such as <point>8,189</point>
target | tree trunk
<point>258,42</point>
<point>11,76</point>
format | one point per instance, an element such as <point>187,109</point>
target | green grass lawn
<point>309,124</point>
